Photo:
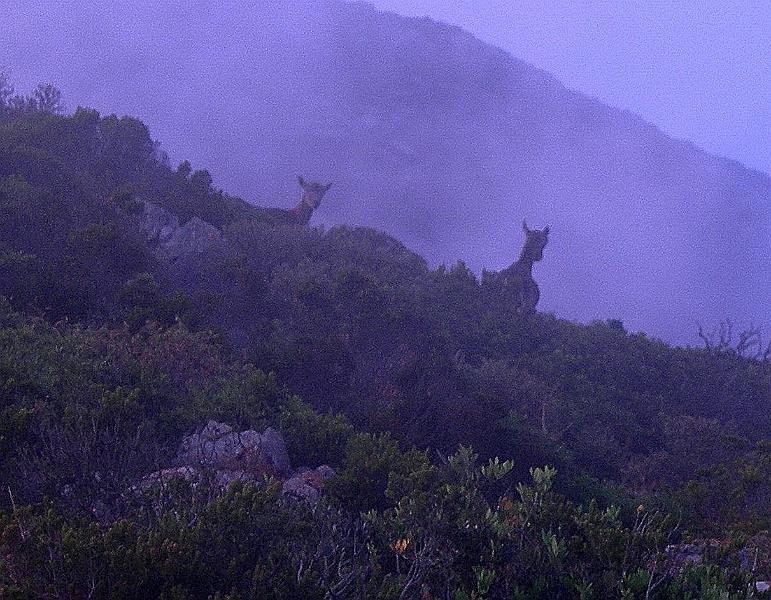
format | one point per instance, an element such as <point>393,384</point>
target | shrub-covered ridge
<point>111,351</point>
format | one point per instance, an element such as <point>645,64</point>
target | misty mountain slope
<point>431,135</point>
<point>96,227</point>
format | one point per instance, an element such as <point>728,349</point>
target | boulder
<point>220,478</point>
<point>685,554</point>
<point>308,484</point>
<point>194,237</point>
<point>220,454</point>
<point>223,479</point>
<point>681,556</point>
<point>173,240</point>
<point>164,476</point>
<point>157,223</point>
<point>297,486</point>
<point>325,471</point>
<point>219,447</point>
<point>273,447</point>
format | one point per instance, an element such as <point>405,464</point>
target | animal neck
<point>302,212</point>
<point>524,265</point>
<point>525,261</point>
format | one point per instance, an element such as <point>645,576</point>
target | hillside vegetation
<point>431,135</point>
<point>418,386</point>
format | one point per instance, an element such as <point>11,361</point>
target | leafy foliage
<point>110,352</point>
<point>441,537</point>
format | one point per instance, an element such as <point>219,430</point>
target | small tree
<point>47,98</point>
<point>750,343</point>
<point>6,91</point>
<point>201,181</point>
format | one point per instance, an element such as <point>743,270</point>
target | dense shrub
<point>109,353</point>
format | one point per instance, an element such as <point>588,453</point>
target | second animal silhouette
<point>516,283</point>
<point>312,193</point>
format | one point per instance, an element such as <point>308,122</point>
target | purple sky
<point>699,69</point>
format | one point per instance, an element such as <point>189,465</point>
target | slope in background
<point>431,135</point>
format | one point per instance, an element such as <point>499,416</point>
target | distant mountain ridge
<point>434,136</point>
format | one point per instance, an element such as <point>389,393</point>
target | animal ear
<point>546,229</point>
<point>524,226</point>
<point>326,187</point>
<point>300,180</point>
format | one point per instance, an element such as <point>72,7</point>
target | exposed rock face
<point>164,476</point>
<point>223,456</point>
<point>158,224</point>
<point>308,485</point>
<point>297,487</point>
<point>325,471</point>
<point>173,241</point>
<point>680,556</point>
<point>272,445</point>
<point>218,446</point>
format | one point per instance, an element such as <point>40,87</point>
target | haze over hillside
<point>429,134</point>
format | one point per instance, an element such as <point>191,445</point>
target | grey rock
<point>308,484</point>
<point>172,240</point>
<point>218,446</point>
<point>222,455</point>
<point>325,471</point>
<point>157,223</point>
<point>206,448</point>
<point>223,479</point>
<point>164,235</point>
<point>762,586</point>
<point>684,554</point>
<point>215,430</point>
<point>164,476</point>
<point>194,237</point>
<point>273,446</point>
<point>297,487</point>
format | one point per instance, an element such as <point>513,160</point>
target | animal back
<point>279,216</point>
<point>516,288</point>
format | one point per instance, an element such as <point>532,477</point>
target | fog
<point>429,134</point>
<point>696,68</point>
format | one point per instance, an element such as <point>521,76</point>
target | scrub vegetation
<point>480,451</point>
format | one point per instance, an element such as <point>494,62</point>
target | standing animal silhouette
<point>312,193</point>
<point>516,283</point>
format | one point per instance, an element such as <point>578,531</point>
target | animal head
<point>535,241</point>
<point>312,192</point>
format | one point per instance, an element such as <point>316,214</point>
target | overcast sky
<point>699,69</point>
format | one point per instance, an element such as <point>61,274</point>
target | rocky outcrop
<point>173,241</point>
<point>221,455</point>
<point>164,476</point>
<point>157,223</point>
<point>680,556</point>
<point>307,484</point>
<point>218,446</point>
